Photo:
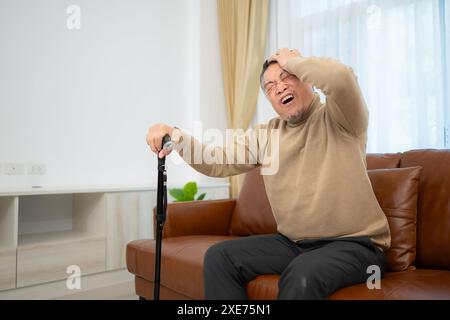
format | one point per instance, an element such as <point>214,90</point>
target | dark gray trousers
<point>309,269</point>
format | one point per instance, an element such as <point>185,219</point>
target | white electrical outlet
<point>36,169</point>
<point>14,168</point>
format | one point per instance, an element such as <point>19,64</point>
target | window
<point>399,50</point>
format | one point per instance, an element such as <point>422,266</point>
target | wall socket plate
<point>36,169</point>
<point>14,168</point>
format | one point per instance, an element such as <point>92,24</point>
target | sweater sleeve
<point>240,155</point>
<point>345,102</point>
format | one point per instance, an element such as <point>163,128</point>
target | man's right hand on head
<point>282,56</point>
<point>155,135</point>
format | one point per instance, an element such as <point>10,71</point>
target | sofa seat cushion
<point>418,284</point>
<point>263,288</point>
<point>145,288</point>
<point>181,262</point>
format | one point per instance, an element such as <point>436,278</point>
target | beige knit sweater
<point>321,188</point>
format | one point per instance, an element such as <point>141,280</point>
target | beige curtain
<point>242,27</point>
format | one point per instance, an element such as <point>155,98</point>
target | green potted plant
<point>187,193</point>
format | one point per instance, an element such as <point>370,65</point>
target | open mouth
<point>287,99</point>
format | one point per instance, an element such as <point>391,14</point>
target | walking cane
<point>161,205</point>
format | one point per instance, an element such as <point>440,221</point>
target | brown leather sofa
<point>413,188</point>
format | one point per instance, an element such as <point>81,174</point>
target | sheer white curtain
<point>398,51</point>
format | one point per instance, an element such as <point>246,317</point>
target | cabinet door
<point>129,217</point>
<point>39,263</point>
<point>9,208</point>
<point>7,268</point>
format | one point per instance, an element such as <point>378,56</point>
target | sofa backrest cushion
<point>253,213</point>
<point>383,160</point>
<point>433,211</point>
<point>396,191</point>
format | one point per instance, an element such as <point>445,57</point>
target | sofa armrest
<point>206,217</point>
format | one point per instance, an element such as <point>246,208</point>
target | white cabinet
<point>8,241</point>
<point>43,232</point>
<point>129,217</point>
<point>48,261</point>
<point>7,268</point>
<point>56,231</point>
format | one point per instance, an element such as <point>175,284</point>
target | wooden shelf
<point>7,268</point>
<point>8,221</point>
<point>95,189</point>
<point>4,247</point>
<point>48,260</point>
<point>60,237</point>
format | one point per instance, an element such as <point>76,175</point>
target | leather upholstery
<point>396,192</point>
<point>419,284</point>
<point>383,161</point>
<point>415,284</point>
<point>191,228</point>
<point>263,287</point>
<point>253,214</point>
<point>210,217</point>
<point>182,260</point>
<point>144,288</point>
<point>433,228</point>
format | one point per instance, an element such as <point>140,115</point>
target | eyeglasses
<point>269,86</point>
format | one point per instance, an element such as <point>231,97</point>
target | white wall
<point>206,100</point>
<point>81,101</point>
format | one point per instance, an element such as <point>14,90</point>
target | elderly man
<point>330,225</point>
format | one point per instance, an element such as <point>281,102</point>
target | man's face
<point>288,95</point>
